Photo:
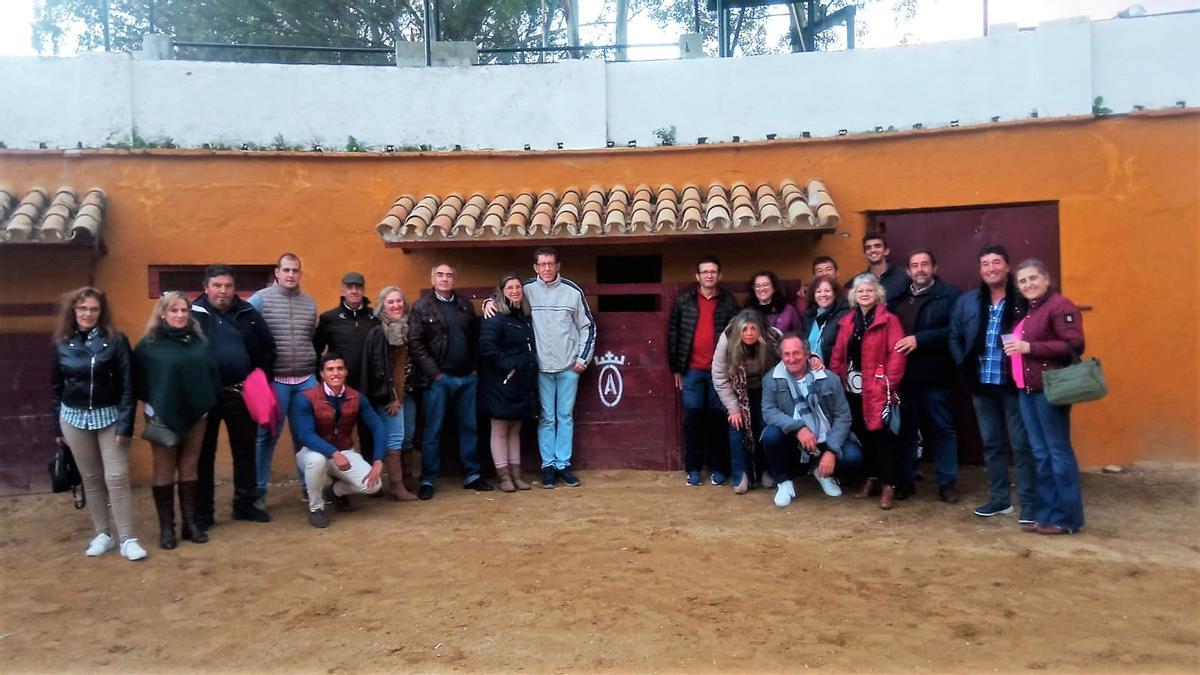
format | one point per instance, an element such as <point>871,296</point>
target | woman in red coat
<point>871,370</point>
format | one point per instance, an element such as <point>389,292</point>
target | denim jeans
<point>556,422</point>
<point>742,460</point>
<point>999,414</point>
<point>929,410</point>
<point>457,391</point>
<point>264,445</point>
<point>410,420</point>
<point>1059,497</point>
<point>394,424</point>
<point>704,425</point>
<point>783,453</point>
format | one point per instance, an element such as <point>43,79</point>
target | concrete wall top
<point>1056,70</point>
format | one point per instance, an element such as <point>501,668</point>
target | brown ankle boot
<point>870,488</point>
<point>514,472</point>
<point>887,498</point>
<point>395,469</point>
<point>506,481</point>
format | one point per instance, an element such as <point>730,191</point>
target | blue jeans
<point>394,425</point>
<point>929,410</point>
<point>459,391</point>
<point>556,422</point>
<point>742,460</point>
<point>999,414</point>
<point>704,425</point>
<point>1060,499</point>
<point>783,452</point>
<point>264,446</point>
<point>410,419</point>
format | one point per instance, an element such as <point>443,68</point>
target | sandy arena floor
<point>633,572</point>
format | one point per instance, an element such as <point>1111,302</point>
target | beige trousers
<point>319,470</point>
<point>104,466</point>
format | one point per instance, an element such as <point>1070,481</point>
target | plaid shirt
<point>990,370</point>
<point>89,420</point>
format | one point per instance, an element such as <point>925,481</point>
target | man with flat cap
<point>343,330</point>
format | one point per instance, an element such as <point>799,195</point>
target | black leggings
<point>881,449</point>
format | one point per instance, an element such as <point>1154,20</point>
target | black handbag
<point>64,475</point>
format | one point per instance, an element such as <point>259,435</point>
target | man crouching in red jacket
<point>325,418</point>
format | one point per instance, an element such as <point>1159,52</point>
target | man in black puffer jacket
<point>697,319</point>
<point>239,340</point>
<point>926,393</point>
<point>343,331</point>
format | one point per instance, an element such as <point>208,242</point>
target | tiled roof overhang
<point>611,214</point>
<point>44,218</point>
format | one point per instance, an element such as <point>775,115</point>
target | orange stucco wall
<point>1129,205</point>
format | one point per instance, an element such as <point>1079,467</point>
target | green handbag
<point>1077,383</point>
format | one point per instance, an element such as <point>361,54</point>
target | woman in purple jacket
<point>1049,337</point>
<point>767,296</point>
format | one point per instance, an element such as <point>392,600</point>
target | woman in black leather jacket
<point>94,402</point>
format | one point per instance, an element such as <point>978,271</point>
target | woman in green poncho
<point>177,377</point>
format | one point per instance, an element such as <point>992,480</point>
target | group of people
<point>355,369</point>
<point>840,382</point>
<point>851,382</point>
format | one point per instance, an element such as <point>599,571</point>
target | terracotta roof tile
<point>37,217</point>
<point>614,211</point>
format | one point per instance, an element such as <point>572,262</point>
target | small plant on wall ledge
<point>280,143</point>
<point>352,145</point>
<point>1099,109</point>
<point>665,135</point>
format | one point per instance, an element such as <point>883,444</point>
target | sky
<point>934,21</point>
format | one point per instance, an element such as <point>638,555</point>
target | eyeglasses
<point>87,310</point>
<point>545,265</point>
<point>761,287</point>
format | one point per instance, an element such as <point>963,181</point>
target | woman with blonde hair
<point>508,377</point>
<point>871,370</point>
<point>177,377</point>
<point>746,350</point>
<point>385,366</point>
<point>92,384</point>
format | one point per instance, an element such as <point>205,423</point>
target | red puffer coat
<point>877,350</point>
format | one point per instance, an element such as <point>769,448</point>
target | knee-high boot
<point>411,459</point>
<point>164,503</point>
<point>396,492</point>
<point>187,513</point>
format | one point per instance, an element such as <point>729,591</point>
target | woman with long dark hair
<point>92,384</point>
<point>177,377</point>
<point>746,350</point>
<point>871,370</point>
<point>508,377</point>
<point>767,296</point>
<point>1048,338</point>
<point>385,368</point>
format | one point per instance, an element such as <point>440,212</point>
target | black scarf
<point>861,322</point>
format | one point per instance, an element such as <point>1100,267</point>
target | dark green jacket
<point>176,374</point>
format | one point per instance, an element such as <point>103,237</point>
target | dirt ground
<point>633,572</point>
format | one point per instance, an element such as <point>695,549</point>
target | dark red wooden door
<point>625,410</point>
<point>955,237</point>
<point>26,438</point>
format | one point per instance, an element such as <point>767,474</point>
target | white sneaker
<point>101,543</point>
<point>784,493</point>
<point>132,550</point>
<point>829,485</point>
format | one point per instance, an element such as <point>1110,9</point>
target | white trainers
<point>132,550</point>
<point>829,485</point>
<point>784,493</point>
<point>101,543</point>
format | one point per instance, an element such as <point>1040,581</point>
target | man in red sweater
<point>697,319</point>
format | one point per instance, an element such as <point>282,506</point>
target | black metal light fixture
<point>737,139</point>
<point>559,145</point>
<point>995,118</point>
<point>918,126</point>
<point>805,134</point>
<point>389,148</point>
<point>953,123</point>
<point>610,144</point>
<point>843,132</point>
<point>457,147</point>
<point>527,147</point>
<point>701,140</point>
<point>632,144</point>
<point>771,137</point>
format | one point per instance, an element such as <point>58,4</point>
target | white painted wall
<point>1056,70</point>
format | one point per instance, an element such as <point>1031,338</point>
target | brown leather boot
<point>870,488</point>
<point>412,468</point>
<point>506,481</point>
<point>187,513</point>
<point>164,503</point>
<point>395,469</point>
<point>514,472</point>
<point>887,498</point>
